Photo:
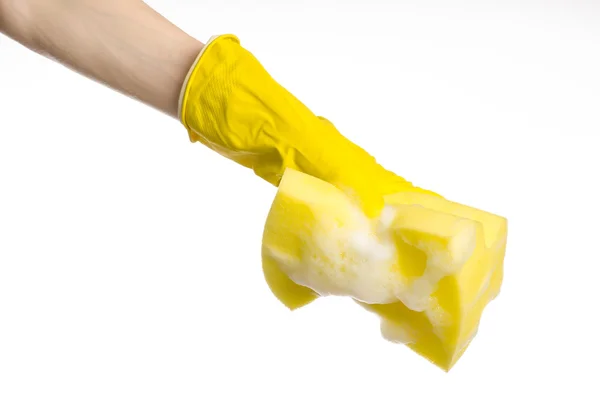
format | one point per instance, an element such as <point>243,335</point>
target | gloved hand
<point>231,104</point>
<point>314,243</point>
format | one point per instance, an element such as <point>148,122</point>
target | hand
<point>231,104</point>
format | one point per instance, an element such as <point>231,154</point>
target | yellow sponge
<point>427,266</point>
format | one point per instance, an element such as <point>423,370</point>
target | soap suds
<point>398,333</point>
<point>357,258</point>
<point>346,260</point>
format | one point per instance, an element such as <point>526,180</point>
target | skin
<point>123,44</point>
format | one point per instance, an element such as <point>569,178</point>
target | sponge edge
<point>427,266</point>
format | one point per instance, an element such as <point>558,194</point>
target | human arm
<point>123,44</point>
<point>231,103</point>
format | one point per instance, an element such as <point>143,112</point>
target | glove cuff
<point>185,88</point>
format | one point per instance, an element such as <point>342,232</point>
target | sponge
<point>426,266</point>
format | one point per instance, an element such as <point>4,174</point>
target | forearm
<point>122,43</point>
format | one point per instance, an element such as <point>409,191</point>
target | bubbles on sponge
<point>359,258</point>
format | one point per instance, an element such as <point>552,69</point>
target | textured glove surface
<point>232,105</point>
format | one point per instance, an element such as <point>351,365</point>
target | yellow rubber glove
<point>231,104</point>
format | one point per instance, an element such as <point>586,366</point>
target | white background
<point>130,258</point>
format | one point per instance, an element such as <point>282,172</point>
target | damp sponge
<point>427,266</point>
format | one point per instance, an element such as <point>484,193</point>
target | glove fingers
<point>365,195</point>
<point>371,202</point>
<point>368,183</point>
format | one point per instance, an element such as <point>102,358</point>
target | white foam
<point>398,333</point>
<point>359,259</point>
